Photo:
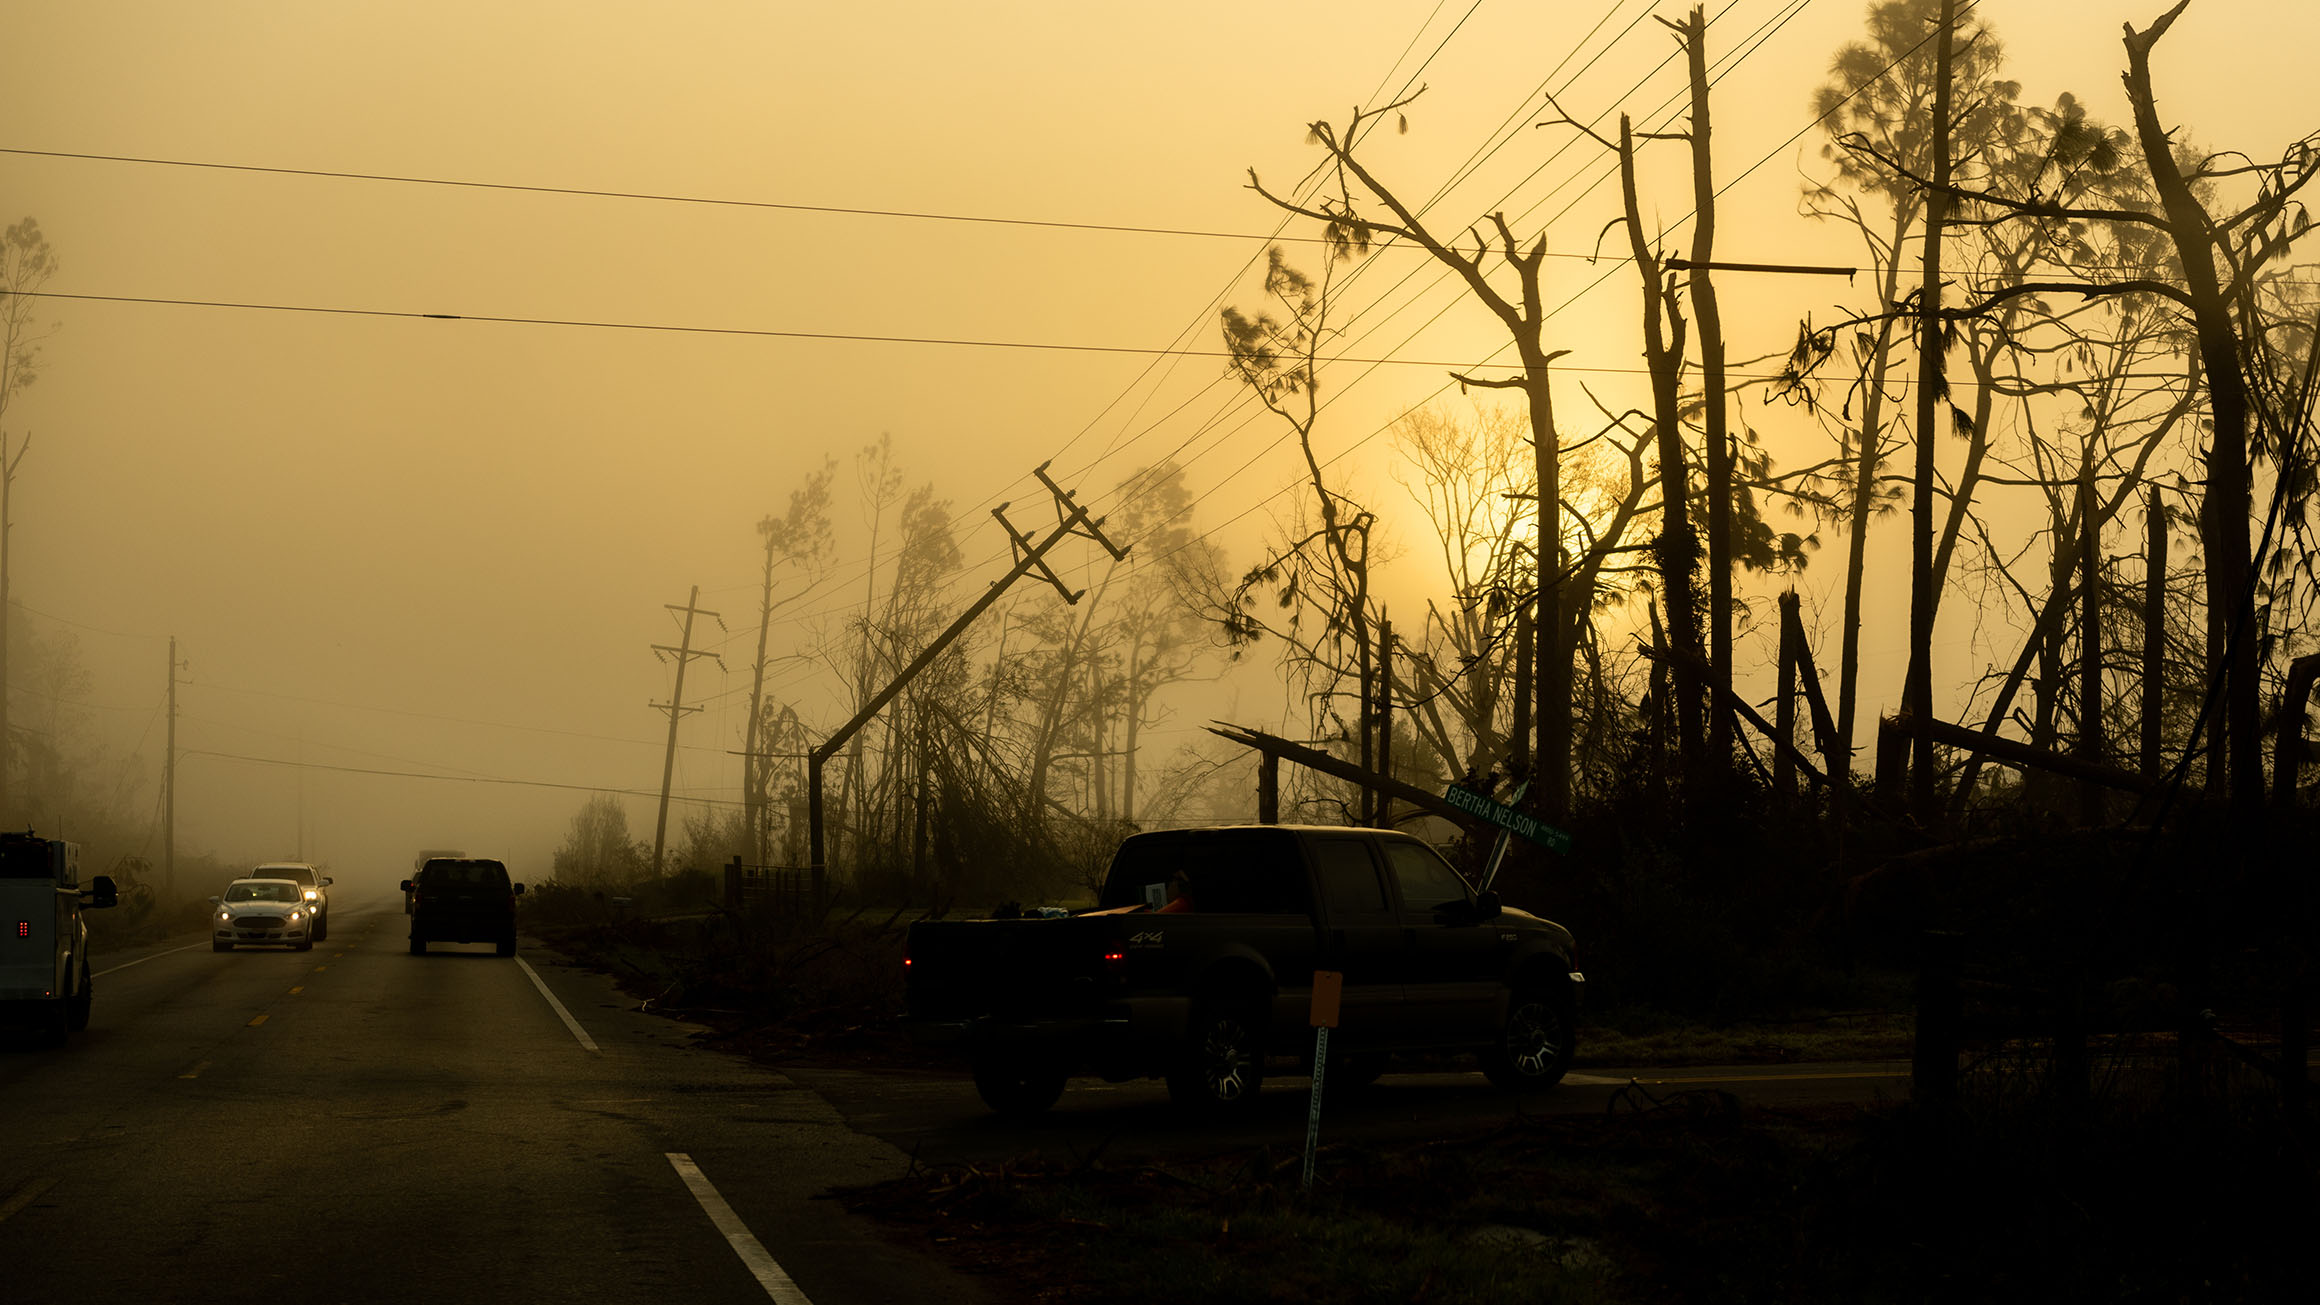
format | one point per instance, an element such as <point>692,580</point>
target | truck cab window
<point>1348,877</point>
<point>1426,879</point>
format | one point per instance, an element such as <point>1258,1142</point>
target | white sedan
<point>262,912</point>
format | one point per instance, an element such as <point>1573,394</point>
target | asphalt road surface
<point>358,1124</point>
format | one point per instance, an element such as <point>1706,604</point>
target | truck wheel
<point>1222,1060</point>
<point>418,945</point>
<point>507,945</point>
<point>305,946</point>
<point>77,1009</point>
<point>321,928</point>
<point>1017,1088</point>
<point>1533,1050</point>
<point>57,1026</point>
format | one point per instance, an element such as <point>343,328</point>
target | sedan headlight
<point>296,916</point>
<point>225,917</point>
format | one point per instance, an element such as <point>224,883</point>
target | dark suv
<point>462,899</point>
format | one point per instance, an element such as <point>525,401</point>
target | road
<point>359,1124</point>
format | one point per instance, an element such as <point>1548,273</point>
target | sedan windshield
<point>264,890</point>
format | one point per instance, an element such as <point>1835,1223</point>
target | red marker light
<point>24,928</point>
<point>1116,963</point>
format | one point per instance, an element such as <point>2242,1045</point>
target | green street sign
<point>1507,818</point>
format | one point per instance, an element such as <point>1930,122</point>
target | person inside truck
<point>1179,894</point>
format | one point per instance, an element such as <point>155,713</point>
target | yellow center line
<point>258,1021</point>
<point>295,991</point>
<point>195,1072</point>
<point>320,968</point>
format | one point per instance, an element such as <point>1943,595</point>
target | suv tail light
<point>1116,963</point>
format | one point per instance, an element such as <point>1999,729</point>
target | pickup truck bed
<point>1204,997</point>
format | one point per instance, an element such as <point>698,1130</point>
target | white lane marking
<point>142,959</point>
<point>754,1256</point>
<point>31,1191</point>
<point>566,1015</point>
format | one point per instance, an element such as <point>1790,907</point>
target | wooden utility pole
<point>684,653</point>
<point>1718,445</point>
<point>169,784</point>
<point>2090,730</point>
<point>1072,519</point>
<point>753,764</point>
<point>8,464</point>
<point>1784,711</point>
<point>1385,715</point>
<point>1917,688</point>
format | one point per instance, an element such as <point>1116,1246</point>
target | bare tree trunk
<point>1677,551</point>
<point>2154,632</point>
<point>2224,513</point>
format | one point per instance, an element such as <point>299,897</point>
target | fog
<point>413,470</point>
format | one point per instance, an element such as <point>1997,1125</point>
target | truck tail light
<point>24,928</point>
<point>1116,963</point>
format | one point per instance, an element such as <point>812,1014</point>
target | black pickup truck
<point>1204,996</point>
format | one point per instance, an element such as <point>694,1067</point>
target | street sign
<point>1328,994</point>
<point>1507,818</point>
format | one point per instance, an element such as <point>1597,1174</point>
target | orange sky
<point>405,544</point>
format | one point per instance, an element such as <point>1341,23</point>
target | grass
<point>1695,1200</point>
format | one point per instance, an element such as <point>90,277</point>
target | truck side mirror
<point>326,881</point>
<point>406,885</point>
<point>1486,905</point>
<point>519,890</point>
<point>102,891</point>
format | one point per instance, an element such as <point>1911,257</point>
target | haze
<point>387,543</point>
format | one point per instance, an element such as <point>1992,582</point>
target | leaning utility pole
<point>1028,557</point>
<point>684,652</point>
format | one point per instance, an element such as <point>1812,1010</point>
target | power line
<point>678,328</point>
<point>839,210</point>
<point>420,774</point>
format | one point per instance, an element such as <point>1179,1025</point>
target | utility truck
<point>44,943</point>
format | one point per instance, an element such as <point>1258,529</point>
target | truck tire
<point>418,945</point>
<point>306,946</point>
<point>507,945</point>
<point>321,928</point>
<point>56,1025</point>
<point>1016,1087</point>
<point>1533,1050</point>
<point>77,1009</point>
<point>1222,1061</point>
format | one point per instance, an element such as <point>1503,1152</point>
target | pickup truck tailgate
<point>27,938</point>
<point>1010,969</point>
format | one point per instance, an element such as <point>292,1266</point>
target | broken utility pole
<point>684,652</point>
<point>1071,519</point>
